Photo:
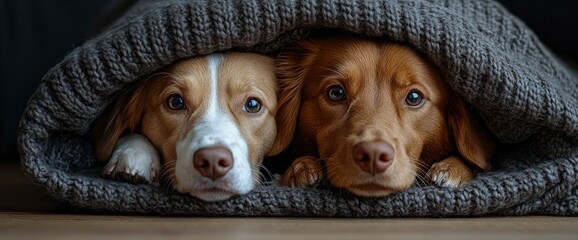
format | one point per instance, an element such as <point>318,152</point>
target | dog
<point>372,117</point>
<point>202,125</point>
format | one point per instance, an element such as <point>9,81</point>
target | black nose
<point>373,156</point>
<point>213,162</point>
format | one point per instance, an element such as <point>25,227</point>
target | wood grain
<point>63,226</point>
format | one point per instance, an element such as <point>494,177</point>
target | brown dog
<point>375,116</point>
<point>203,124</point>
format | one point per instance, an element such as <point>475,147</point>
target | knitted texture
<point>495,62</point>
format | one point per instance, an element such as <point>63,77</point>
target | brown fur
<point>376,77</point>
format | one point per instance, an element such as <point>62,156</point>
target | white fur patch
<point>443,179</point>
<point>216,128</point>
<point>135,156</point>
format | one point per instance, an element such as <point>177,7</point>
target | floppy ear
<point>472,140</point>
<point>122,116</point>
<point>291,69</point>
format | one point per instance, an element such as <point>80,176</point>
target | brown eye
<point>336,93</point>
<point>252,105</point>
<point>176,102</point>
<point>414,99</point>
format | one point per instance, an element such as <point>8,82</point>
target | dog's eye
<point>252,105</point>
<point>414,99</point>
<point>336,93</point>
<point>176,102</point>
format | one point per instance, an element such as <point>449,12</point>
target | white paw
<point>134,159</point>
<point>450,173</point>
<point>443,179</point>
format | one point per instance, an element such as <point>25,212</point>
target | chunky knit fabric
<point>524,95</point>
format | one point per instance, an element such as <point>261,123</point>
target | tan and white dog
<point>202,125</point>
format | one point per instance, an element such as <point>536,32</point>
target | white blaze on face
<point>216,128</point>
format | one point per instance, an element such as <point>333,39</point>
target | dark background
<point>36,34</point>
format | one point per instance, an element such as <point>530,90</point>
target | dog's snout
<point>373,156</point>
<point>213,162</point>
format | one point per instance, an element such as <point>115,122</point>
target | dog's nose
<point>213,162</point>
<point>373,157</point>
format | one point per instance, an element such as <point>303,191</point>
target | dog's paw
<point>451,172</point>
<point>134,159</point>
<point>305,171</point>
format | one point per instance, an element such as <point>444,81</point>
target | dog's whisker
<point>419,163</point>
<point>261,166</point>
<point>420,179</point>
<point>166,178</point>
<point>259,177</point>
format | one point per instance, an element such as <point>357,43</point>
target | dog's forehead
<point>371,58</point>
<point>193,68</point>
<point>403,66</point>
<point>235,71</point>
<point>241,70</point>
<point>247,75</point>
<point>183,76</point>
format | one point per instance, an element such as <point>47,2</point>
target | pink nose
<point>373,157</point>
<point>213,162</point>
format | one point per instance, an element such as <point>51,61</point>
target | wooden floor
<point>27,213</point>
<point>63,226</point>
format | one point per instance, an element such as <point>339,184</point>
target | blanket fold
<point>527,99</point>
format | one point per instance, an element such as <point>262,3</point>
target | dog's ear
<point>292,66</point>
<point>122,116</point>
<point>472,140</point>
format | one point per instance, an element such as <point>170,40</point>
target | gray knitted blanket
<point>525,96</point>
